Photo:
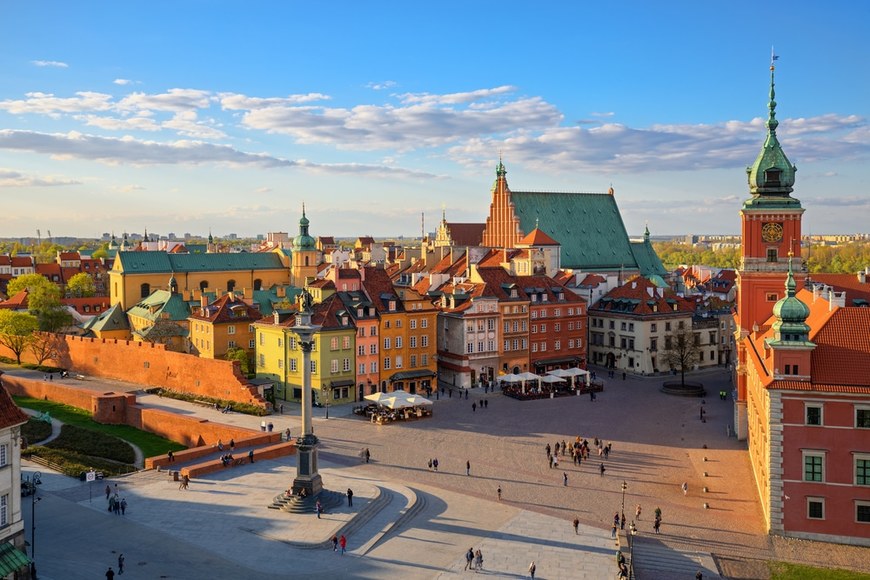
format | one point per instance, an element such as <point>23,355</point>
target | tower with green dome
<point>305,256</point>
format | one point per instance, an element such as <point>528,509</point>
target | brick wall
<point>271,452</point>
<point>151,365</point>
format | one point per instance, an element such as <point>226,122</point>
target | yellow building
<point>279,357</point>
<point>135,275</point>
<point>222,325</point>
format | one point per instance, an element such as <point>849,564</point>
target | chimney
<point>203,302</point>
<point>232,296</point>
<point>276,317</point>
<point>862,276</point>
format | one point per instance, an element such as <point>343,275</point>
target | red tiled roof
<point>10,414</point>
<point>642,295</point>
<point>68,256</point>
<point>592,280</point>
<point>377,284</point>
<point>21,261</point>
<point>848,282</point>
<point>17,302</point>
<point>538,237</point>
<point>842,354</point>
<point>466,234</point>
<point>226,310</point>
<point>78,304</point>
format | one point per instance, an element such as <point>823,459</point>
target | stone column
<point>307,476</point>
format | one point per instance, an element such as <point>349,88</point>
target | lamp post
<point>624,487</point>
<point>632,529</point>
<point>33,480</point>
<point>329,388</point>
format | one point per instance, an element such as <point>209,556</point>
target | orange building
<point>222,325</point>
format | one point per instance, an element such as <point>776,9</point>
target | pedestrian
<point>318,507</point>
<point>613,532</point>
<point>637,512</point>
<point>616,519</point>
<point>623,375</point>
<point>565,478</point>
<point>430,465</point>
<point>466,395</point>
<point>334,543</point>
<point>232,444</point>
<point>576,525</point>
<point>622,521</point>
<point>478,560</point>
<point>251,455</point>
<point>270,426</point>
<point>342,541</point>
<point>699,575</point>
<point>120,563</point>
<point>435,464</point>
<point>171,456</point>
<point>606,451</point>
<point>468,468</point>
<point>110,574</point>
<point>601,469</point>
<point>685,487</point>
<point>656,525</point>
<point>368,455</point>
<point>123,511</point>
<point>473,407</point>
<point>349,497</point>
<point>532,569</point>
<point>556,461</point>
<point>281,410</point>
<point>469,558</point>
<point>108,492</point>
<point>486,403</point>
<point>498,491</point>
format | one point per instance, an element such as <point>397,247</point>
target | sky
<point>195,116</point>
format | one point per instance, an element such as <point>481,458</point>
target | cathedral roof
<point>538,237</point>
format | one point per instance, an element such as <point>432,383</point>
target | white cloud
<point>13,178</point>
<point>605,114</point>
<point>174,100</point>
<point>130,188</point>
<point>263,190</point>
<point>381,86</point>
<point>48,104</point>
<point>137,123</point>
<point>238,102</point>
<point>122,81</point>
<point>456,98</point>
<point>186,123</point>
<point>49,63</point>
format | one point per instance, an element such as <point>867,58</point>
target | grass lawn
<point>786,571</point>
<point>149,443</point>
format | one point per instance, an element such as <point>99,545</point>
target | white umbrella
<point>551,379</point>
<point>560,373</point>
<point>528,376</point>
<point>509,378</point>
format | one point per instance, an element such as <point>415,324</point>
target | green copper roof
<point>156,262</point>
<point>162,302</point>
<point>587,225</point>
<point>112,319</point>
<point>304,242</point>
<point>648,262</point>
<point>772,175</point>
<point>791,315</point>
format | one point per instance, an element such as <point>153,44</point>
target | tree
<point>16,331</point>
<point>682,351</point>
<point>240,355</point>
<point>81,285</point>
<point>43,301</point>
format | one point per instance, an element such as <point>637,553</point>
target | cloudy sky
<point>189,116</point>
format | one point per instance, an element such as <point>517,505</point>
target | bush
<point>35,430</point>
<point>93,444</point>
<point>246,408</point>
<point>73,464</point>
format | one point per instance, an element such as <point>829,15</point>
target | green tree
<point>101,253</point>
<point>43,301</point>
<point>81,285</point>
<point>682,351</point>
<point>16,331</point>
<point>240,355</point>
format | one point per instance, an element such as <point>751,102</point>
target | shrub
<point>35,430</point>
<point>73,464</point>
<point>246,408</point>
<point>93,443</point>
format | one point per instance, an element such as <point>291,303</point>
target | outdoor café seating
<point>395,406</point>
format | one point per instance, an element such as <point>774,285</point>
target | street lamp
<point>33,480</point>
<point>624,487</point>
<point>632,529</point>
<point>326,397</point>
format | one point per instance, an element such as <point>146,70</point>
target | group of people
<point>474,559</point>
<point>339,541</point>
<point>579,451</point>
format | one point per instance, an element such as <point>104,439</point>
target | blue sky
<point>189,116</point>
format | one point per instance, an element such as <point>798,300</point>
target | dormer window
<point>771,176</point>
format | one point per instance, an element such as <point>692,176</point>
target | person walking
<point>435,463</point>
<point>468,468</point>
<point>251,456</point>
<point>368,455</point>
<point>110,574</point>
<point>657,524</point>
<point>108,492</point>
<point>478,560</point>
<point>685,487</point>
<point>469,558</point>
<point>334,541</point>
<point>473,407</point>
<point>342,541</point>
<point>123,511</point>
<point>318,507</point>
<point>532,569</point>
<point>171,456</point>
<point>120,564</point>
<point>349,497</point>
<point>565,478</point>
<point>576,525</point>
<point>430,465</point>
<point>498,491</point>
<point>637,512</point>
<point>601,469</point>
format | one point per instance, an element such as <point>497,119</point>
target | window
<point>813,413</point>
<point>231,329</point>
<point>292,343</point>
<point>424,323</point>
<point>424,360</point>
<point>333,343</point>
<point>4,455</point>
<point>280,363</point>
<point>399,362</point>
<point>557,345</point>
<point>862,470</point>
<point>413,341</point>
<point>345,342</point>
<point>557,327</point>
<point>144,291</point>
<point>469,347</point>
<point>862,512</point>
<point>815,508</point>
<point>507,345</point>
<point>373,367</point>
<point>345,365</point>
<point>534,347</point>
<point>231,344</point>
<point>535,328</point>
<point>313,367</point>
<point>814,466</point>
<point>654,344</point>
<point>612,324</point>
<point>631,326</point>
<point>398,324</point>
<point>771,255</point>
<point>293,367</point>
<point>413,323</point>
<point>622,326</point>
<point>280,343</point>
<point>398,342</point>
<point>252,344</point>
<point>333,365</point>
<point>862,418</point>
<point>424,340</point>
<point>652,327</point>
<point>667,326</point>
<point>373,349</point>
<point>251,328</point>
<point>261,361</point>
<point>491,344</point>
<point>543,328</point>
<point>387,364</point>
<point>4,510</point>
<point>772,297</point>
<point>387,343</point>
<point>543,347</point>
<point>361,350</point>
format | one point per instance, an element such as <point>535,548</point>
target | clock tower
<point>771,232</point>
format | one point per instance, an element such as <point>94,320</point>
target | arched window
<point>145,290</point>
<point>231,284</point>
<point>203,285</point>
<point>306,260</point>
<point>258,284</point>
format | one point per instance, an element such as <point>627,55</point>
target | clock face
<point>771,232</point>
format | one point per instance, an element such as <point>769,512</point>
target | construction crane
<point>49,236</point>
